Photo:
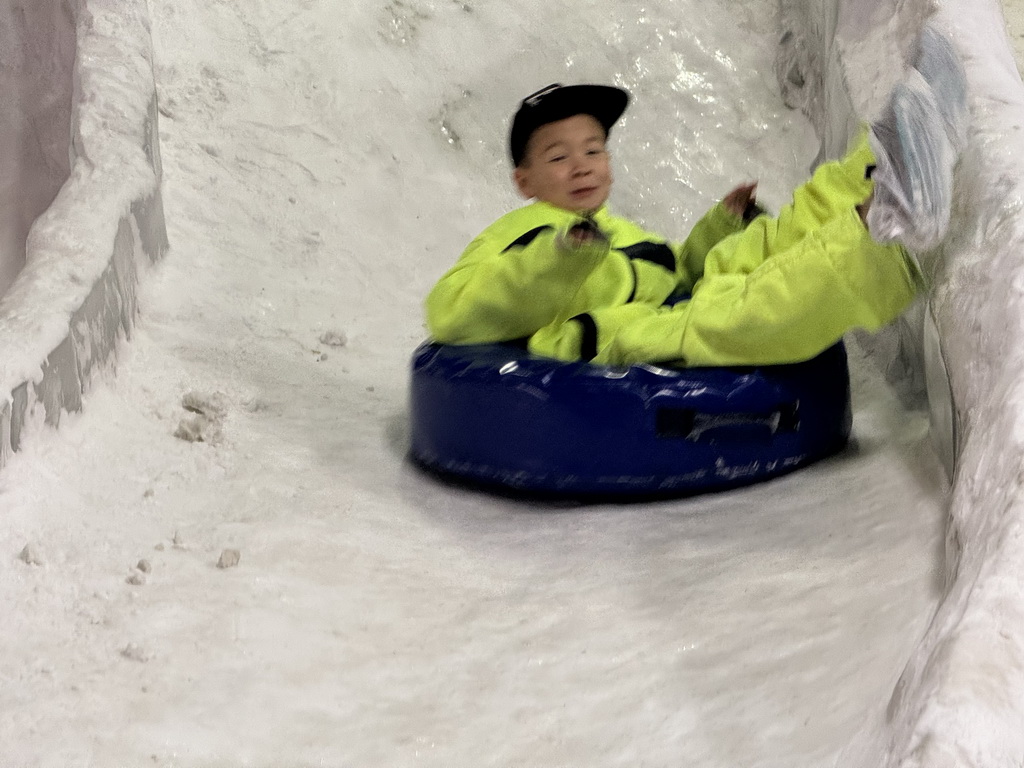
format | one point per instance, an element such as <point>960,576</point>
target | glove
<point>583,233</point>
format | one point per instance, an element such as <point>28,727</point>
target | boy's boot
<point>916,142</point>
<point>939,66</point>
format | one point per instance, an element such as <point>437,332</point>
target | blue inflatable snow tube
<point>497,416</point>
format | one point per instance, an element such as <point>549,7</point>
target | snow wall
<point>37,54</point>
<point>960,700</point>
<point>83,210</point>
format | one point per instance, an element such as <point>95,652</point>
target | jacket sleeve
<point>716,225</point>
<point>499,293</point>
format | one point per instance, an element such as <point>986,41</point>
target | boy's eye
<point>556,158</point>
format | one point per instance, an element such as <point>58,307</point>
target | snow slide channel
<point>320,163</point>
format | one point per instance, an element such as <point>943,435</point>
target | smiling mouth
<point>583,192</point>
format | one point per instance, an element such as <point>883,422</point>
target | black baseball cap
<point>605,103</point>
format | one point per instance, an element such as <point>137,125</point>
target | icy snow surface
<point>324,163</point>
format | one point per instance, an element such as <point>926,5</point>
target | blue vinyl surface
<point>496,415</point>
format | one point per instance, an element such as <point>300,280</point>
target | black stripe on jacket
<point>528,237</point>
<point>656,253</point>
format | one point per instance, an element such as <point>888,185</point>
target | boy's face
<point>566,164</point>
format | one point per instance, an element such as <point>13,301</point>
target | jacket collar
<point>564,216</point>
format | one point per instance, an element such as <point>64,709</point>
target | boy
<point>744,288</point>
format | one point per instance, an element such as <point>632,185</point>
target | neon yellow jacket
<point>778,291</point>
<point>515,278</point>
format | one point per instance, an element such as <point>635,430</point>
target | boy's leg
<point>835,189</point>
<point>802,300</point>
<point>938,64</point>
<point>794,306</point>
<point>914,145</point>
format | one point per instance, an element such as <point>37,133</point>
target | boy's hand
<point>741,199</point>
<point>583,232</point>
